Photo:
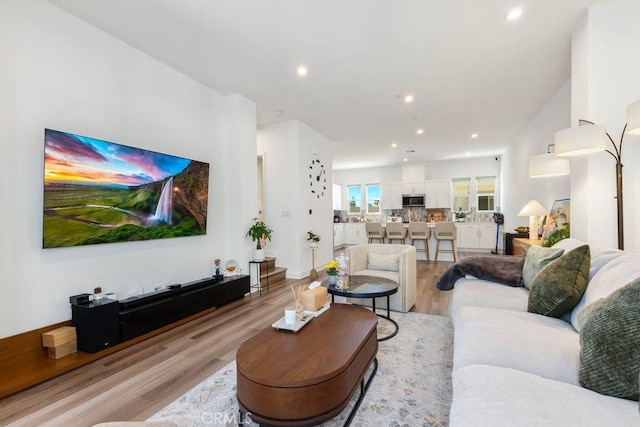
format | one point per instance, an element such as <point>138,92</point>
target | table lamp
<point>533,210</point>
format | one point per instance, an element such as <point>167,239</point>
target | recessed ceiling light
<point>468,153</point>
<point>408,98</point>
<point>514,14</point>
<point>394,145</point>
<point>474,135</point>
<point>279,112</point>
<point>405,159</point>
<point>420,131</point>
<point>302,70</point>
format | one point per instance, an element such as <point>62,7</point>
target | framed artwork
<point>556,226</point>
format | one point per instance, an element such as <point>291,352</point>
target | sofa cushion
<point>535,259</point>
<point>530,342</point>
<point>482,293</point>
<point>384,262</point>
<point>610,340</point>
<point>559,286</point>
<point>492,396</point>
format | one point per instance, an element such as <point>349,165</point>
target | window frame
<point>491,196</point>
<point>378,199</point>
<point>358,201</point>
<point>467,196</point>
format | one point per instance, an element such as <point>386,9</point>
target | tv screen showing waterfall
<point>102,192</point>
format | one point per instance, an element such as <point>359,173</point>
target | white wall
<point>288,149</point>
<point>606,60</point>
<point>517,187</point>
<point>61,73</point>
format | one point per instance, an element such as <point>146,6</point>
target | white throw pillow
<point>389,262</point>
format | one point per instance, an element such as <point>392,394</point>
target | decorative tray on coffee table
<point>293,327</point>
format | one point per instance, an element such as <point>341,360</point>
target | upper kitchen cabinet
<point>437,193</point>
<point>391,197</point>
<point>413,187</point>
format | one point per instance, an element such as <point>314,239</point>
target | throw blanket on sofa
<point>501,269</point>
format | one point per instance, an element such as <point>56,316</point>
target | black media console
<point>148,312</point>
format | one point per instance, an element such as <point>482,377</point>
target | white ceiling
<point>469,69</point>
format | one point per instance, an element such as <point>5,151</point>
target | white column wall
<point>288,150</point>
<point>517,187</point>
<point>606,60</point>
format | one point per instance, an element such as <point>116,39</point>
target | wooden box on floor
<point>60,342</point>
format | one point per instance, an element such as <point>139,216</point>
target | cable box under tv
<point>174,286</point>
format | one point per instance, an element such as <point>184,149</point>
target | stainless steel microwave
<point>413,200</point>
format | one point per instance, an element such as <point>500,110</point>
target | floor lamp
<point>590,138</point>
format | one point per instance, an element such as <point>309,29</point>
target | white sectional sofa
<point>394,262</point>
<point>516,368</point>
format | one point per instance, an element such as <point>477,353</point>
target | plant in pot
<point>259,233</point>
<point>313,239</point>
<point>332,269</point>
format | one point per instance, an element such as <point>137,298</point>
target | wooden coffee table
<point>308,377</point>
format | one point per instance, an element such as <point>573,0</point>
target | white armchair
<point>383,264</point>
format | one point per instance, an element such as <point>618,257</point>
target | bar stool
<point>396,231</point>
<point>446,231</point>
<point>420,231</point>
<point>374,230</point>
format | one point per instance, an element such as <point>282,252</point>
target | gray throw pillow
<point>610,344</point>
<point>535,259</point>
<point>558,287</point>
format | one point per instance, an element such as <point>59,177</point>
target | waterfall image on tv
<point>102,192</point>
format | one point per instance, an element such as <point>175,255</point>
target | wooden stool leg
<point>426,248</point>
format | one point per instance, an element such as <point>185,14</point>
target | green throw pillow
<point>535,259</point>
<point>610,343</point>
<point>558,287</point>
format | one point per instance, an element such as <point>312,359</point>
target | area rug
<point>412,386</point>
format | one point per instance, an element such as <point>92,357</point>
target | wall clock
<point>317,178</point>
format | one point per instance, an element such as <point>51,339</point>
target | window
<point>373,198</point>
<point>486,191</point>
<point>461,188</point>
<point>354,192</point>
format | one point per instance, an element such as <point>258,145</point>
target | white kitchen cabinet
<point>337,197</point>
<point>443,199</point>
<point>413,187</point>
<point>355,234</point>
<point>391,196</point>
<point>338,235</point>
<point>476,236</point>
<point>437,193</point>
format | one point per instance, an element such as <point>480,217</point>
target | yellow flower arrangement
<point>331,267</point>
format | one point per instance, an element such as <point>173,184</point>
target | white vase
<point>259,254</point>
<point>332,279</point>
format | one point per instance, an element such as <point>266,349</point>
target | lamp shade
<point>547,165</point>
<point>580,140</point>
<point>633,118</point>
<point>533,208</point>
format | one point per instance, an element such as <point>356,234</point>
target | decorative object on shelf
<point>313,239</point>
<point>217,272</point>
<point>556,227</point>
<point>533,210</point>
<point>332,270</point>
<point>548,165</point>
<point>342,281</point>
<point>259,233</point>
<point>232,268</point>
<point>590,138</point>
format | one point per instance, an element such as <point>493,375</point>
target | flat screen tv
<point>102,192</point>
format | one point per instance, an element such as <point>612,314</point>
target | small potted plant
<point>313,238</point>
<point>332,269</point>
<point>259,233</point>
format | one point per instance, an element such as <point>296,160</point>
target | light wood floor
<point>138,381</point>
